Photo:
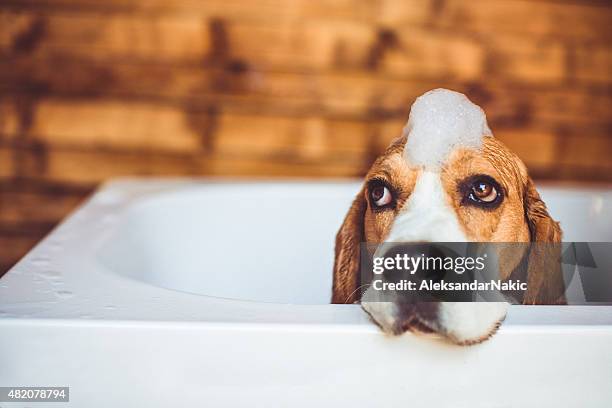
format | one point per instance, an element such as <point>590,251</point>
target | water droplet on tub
<point>597,204</point>
<point>49,274</point>
<point>55,245</point>
<point>64,294</point>
<point>40,261</point>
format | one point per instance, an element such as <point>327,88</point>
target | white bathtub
<point>195,293</point>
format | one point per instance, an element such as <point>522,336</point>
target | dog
<point>446,179</point>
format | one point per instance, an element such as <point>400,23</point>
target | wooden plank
<point>6,163</point>
<point>553,156</point>
<point>597,153</point>
<point>87,167</point>
<point>18,238</point>
<point>386,132</point>
<point>536,149</point>
<point>13,26</point>
<point>592,64</point>
<point>578,20</point>
<point>114,124</point>
<point>520,107</point>
<point>13,247</point>
<point>9,118</point>
<point>36,205</point>
<point>29,209</point>
<point>572,20</point>
<point>235,8</point>
<point>231,166</point>
<point>527,60</point>
<point>414,11</point>
<point>103,37</point>
<point>427,54</point>
<point>4,267</point>
<point>312,138</point>
<point>141,127</point>
<point>148,128</point>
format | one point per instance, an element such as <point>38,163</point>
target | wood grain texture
<point>91,90</point>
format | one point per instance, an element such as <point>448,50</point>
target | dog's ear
<point>542,227</point>
<point>544,275</point>
<point>346,263</point>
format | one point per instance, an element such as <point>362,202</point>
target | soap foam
<point>441,121</point>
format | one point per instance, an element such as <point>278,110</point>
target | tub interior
<point>272,242</point>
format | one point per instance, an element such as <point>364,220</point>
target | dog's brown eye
<point>380,195</point>
<point>482,191</point>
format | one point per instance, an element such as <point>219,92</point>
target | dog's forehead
<point>440,122</point>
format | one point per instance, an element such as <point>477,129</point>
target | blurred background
<point>96,89</point>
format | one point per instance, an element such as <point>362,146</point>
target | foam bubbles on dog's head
<point>441,121</point>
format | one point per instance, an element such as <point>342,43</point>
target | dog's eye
<point>380,195</point>
<point>483,191</point>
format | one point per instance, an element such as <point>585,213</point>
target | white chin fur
<point>468,323</point>
<point>461,323</point>
<point>383,313</point>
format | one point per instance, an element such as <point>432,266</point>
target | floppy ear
<point>346,264</point>
<point>544,276</point>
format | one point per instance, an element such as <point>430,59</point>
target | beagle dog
<point>446,179</point>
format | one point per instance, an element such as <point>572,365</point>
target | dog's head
<point>447,179</point>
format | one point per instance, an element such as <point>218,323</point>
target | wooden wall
<point>94,89</point>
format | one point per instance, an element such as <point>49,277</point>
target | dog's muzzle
<point>397,312</point>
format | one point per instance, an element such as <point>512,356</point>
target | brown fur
<point>346,264</point>
<point>545,284</point>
